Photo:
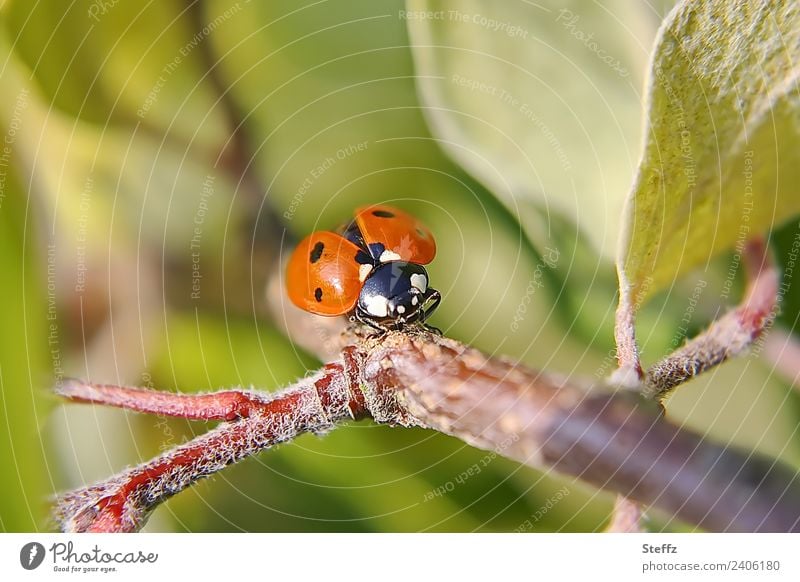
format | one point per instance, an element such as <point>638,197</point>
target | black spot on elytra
<point>318,294</point>
<point>422,233</point>
<point>383,214</point>
<point>363,258</point>
<point>316,252</point>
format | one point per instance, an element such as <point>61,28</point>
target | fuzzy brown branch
<point>123,503</point>
<point>228,405</point>
<point>613,440</point>
<point>629,368</point>
<point>727,337</point>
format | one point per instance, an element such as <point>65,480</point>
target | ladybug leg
<point>429,305</point>
<point>433,329</point>
<point>366,320</point>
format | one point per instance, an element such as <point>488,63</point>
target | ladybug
<point>370,269</point>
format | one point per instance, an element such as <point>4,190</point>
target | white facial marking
<point>419,281</point>
<point>363,272</point>
<point>388,255</point>
<point>401,309</point>
<point>377,306</point>
<point>414,300</point>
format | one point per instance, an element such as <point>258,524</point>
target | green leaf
<point>91,179</point>
<point>24,345</point>
<point>107,62</point>
<point>200,350</point>
<point>328,88</point>
<point>538,101</point>
<point>722,154</point>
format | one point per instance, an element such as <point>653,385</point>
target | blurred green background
<point>152,147</point>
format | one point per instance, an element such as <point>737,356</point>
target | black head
<point>395,293</point>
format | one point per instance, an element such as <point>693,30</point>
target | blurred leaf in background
<point>535,100</point>
<point>27,357</point>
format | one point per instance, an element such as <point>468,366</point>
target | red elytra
<point>398,231</point>
<point>325,272</point>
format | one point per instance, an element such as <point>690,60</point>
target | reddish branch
<point>615,441</point>
<point>228,405</point>
<point>629,367</point>
<point>626,516</point>
<point>728,336</point>
<point>123,503</point>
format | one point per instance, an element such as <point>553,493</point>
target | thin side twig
<point>227,405</point>
<point>123,503</point>
<point>728,336</point>
<point>626,516</point>
<point>629,368</point>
